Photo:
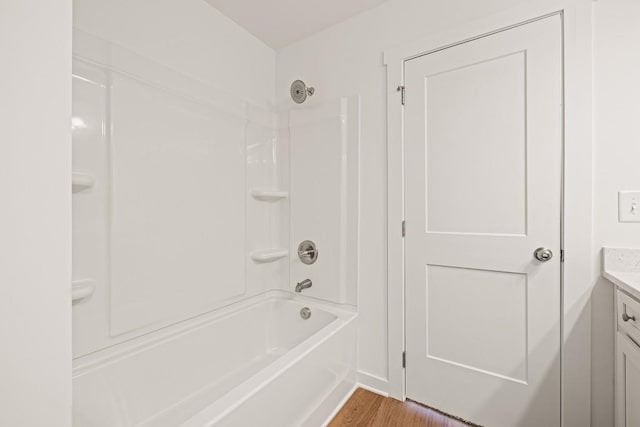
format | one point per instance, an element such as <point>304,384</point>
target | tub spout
<point>306,283</point>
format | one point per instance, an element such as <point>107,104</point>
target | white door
<point>483,179</point>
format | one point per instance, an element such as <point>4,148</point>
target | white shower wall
<point>324,155</point>
<point>174,125</point>
<point>267,218</point>
<point>193,173</point>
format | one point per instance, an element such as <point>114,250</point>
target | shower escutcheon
<point>307,252</point>
<point>299,91</point>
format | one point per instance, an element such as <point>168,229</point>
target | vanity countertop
<point>622,267</point>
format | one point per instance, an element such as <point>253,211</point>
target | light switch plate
<point>629,206</point>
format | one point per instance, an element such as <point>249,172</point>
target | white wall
<point>35,218</point>
<point>346,60</point>
<point>616,167</point>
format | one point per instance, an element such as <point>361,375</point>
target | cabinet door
<point>628,382</point>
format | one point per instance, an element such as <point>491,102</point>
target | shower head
<point>299,91</point>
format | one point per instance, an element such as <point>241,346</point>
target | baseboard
<point>340,405</point>
<point>373,383</point>
<point>365,381</point>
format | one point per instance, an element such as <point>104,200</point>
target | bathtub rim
<point>85,364</point>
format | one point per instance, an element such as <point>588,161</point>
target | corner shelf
<point>269,195</point>
<point>81,289</point>
<point>81,182</point>
<point>269,255</point>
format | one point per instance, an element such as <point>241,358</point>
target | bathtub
<point>254,363</point>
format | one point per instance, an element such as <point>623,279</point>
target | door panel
<point>497,353</point>
<point>483,153</point>
<point>456,182</point>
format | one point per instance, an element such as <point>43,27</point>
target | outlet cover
<point>629,206</point>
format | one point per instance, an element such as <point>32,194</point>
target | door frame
<point>577,271</point>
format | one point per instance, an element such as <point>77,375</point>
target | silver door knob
<point>543,254</point>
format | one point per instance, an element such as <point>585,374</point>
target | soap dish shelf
<point>269,195</point>
<point>269,255</point>
<point>81,182</point>
<point>81,289</point>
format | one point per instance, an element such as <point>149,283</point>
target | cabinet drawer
<point>628,314</point>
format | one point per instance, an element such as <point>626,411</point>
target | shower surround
<point>189,202</point>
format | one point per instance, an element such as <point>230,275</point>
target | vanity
<point>622,268</point>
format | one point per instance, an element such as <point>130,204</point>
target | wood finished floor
<point>365,408</point>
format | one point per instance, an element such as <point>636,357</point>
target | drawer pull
<point>626,317</point>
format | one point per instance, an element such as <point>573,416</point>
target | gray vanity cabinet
<point>627,360</point>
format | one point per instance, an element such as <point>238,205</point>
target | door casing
<point>577,270</point>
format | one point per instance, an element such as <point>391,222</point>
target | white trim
<point>355,387</point>
<point>395,241</point>
<point>373,383</point>
<point>578,271</point>
<point>340,404</point>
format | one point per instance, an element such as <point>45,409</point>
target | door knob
<point>626,317</point>
<point>543,254</point>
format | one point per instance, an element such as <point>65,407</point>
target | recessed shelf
<point>269,195</point>
<point>269,255</point>
<point>81,289</point>
<point>81,182</point>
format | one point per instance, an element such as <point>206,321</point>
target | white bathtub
<point>254,363</point>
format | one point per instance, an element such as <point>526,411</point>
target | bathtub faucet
<point>306,283</point>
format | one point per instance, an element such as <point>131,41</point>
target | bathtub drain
<point>305,313</point>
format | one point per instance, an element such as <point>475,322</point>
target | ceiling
<point>281,22</point>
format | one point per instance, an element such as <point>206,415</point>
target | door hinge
<point>561,255</point>
<point>404,359</point>
<point>404,228</point>
<point>402,92</point>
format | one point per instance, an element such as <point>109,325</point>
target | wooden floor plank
<point>360,410</point>
<point>367,409</point>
